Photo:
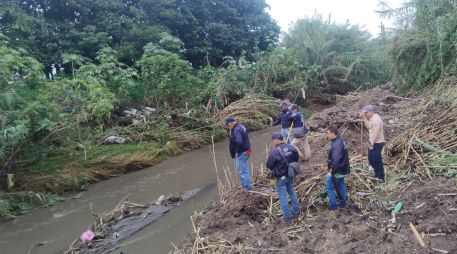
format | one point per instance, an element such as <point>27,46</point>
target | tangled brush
<point>429,145</point>
<point>254,111</point>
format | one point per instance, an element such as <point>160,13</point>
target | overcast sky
<point>360,12</point>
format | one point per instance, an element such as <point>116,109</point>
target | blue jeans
<point>331,192</point>
<point>286,186</point>
<point>375,159</point>
<point>284,133</point>
<point>241,164</point>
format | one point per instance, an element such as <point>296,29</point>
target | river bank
<point>249,222</point>
<point>165,135</point>
<point>53,229</point>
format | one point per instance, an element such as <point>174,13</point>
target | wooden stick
<point>421,160</point>
<point>261,193</point>
<point>361,137</point>
<point>403,98</point>
<point>416,234</point>
<point>440,250</point>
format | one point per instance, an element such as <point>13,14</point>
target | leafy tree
<point>20,77</point>
<point>95,89</point>
<point>423,43</point>
<point>167,77</point>
<point>210,30</point>
<point>74,60</point>
<point>334,57</point>
<point>233,81</point>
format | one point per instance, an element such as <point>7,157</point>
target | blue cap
<point>276,135</point>
<point>368,108</point>
<point>228,120</point>
<point>293,106</point>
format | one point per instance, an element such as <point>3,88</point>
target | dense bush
<point>423,45</point>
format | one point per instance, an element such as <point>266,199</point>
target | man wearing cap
<point>283,119</point>
<point>338,167</point>
<point>278,165</point>
<point>374,124</point>
<point>240,150</point>
<point>298,133</point>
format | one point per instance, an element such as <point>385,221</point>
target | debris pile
<point>124,220</point>
<point>428,146</point>
<point>249,222</point>
<point>253,110</point>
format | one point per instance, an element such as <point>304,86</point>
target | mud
<point>250,222</point>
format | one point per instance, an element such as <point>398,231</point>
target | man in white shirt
<point>374,124</point>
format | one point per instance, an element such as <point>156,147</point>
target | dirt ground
<point>250,222</point>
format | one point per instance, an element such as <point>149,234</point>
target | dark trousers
<point>375,160</point>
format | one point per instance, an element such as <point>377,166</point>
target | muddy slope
<point>249,222</point>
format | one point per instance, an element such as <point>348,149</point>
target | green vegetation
<point>208,30</point>
<point>423,44</point>
<point>20,203</point>
<point>69,69</point>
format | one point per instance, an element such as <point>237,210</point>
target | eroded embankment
<point>249,222</point>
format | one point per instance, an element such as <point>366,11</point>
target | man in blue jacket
<point>299,133</point>
<point>240,150</point>
<point>338,167</point>
<point>279,170</point>
<point>283,119</point>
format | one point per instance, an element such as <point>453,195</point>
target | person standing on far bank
<point>240,150</point>
<point>374,124</point>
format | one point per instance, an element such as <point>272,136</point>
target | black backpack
<point>293,168</point>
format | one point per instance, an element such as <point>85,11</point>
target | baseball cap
<point>276,135</point>
<point>228,120</point>
<point>293,106</point>
<point>368,108</point>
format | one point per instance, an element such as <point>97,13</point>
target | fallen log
<point>124,220</point>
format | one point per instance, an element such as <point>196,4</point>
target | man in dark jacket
<point>283,119</point>
<point>338,167</point>
<point>279,168</point>
<point>299,133</point>
<point>240,150</point>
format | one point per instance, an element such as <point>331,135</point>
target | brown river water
<point>52,230</point>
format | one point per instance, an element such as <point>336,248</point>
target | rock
<point>149,109</point>
<point>136,121</point>
<point>79,147</point>
<point>114,140</point>
<point>130,112</point>
<point>360,194</point>
<point>67,109</point>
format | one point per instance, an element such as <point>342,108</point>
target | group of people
<point>291,146</point>
<point>293,129</point>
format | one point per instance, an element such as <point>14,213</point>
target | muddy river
<point>52,230</point>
